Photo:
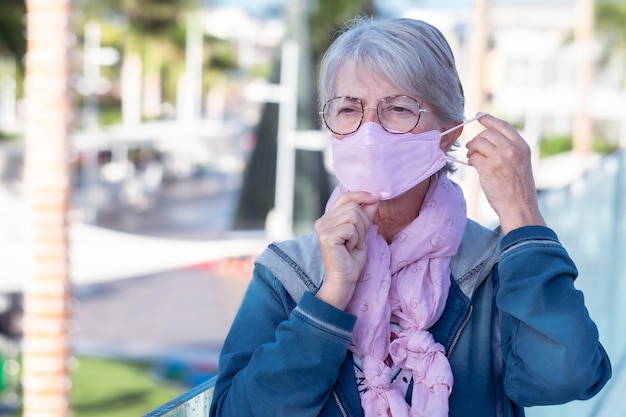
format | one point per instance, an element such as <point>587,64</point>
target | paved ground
<point>181,314</point>
<point>160,284</point>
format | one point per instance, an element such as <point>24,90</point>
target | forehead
<point>363,84</point>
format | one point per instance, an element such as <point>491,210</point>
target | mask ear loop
<point>458,161</point>
<point>450,158</point>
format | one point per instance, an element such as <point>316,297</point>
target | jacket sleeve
<point>550,345</point>
<point>276,361</point>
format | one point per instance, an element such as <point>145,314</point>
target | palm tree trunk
<point>476,95</point>
<point>584,33</point>
<point>46,352</point>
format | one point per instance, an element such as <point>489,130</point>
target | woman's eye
<point>397,111</point>
<point>346,111</point>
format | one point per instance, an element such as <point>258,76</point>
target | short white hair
<point>411,54</point>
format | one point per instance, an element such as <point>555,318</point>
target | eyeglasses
<point>396,114</point>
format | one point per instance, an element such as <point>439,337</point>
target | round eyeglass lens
<point>399,114</point>
<point>343,115</point>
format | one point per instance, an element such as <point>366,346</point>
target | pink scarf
<point>408,280</point>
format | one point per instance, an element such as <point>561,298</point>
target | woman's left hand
<point>502,158</point>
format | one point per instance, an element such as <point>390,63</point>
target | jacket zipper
<point>459,331</point>
<point>339,404</point>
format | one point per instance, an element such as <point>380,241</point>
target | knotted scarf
<point>408,280</point>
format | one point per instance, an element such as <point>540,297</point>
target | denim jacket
<point>515,329</point>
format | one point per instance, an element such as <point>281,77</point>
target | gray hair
<point>411,54</point>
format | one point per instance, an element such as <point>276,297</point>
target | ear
<point>448,140</point>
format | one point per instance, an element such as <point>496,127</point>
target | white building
<point>531,71</point>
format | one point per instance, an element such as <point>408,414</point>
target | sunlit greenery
<point>111,388</point>
<point>116,388</point>
<point>611,26</point>
<point>12,39</point>
<point>554,144</point>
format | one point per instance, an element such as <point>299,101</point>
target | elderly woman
<point>397,304</point>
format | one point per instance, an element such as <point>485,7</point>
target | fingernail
<point>481,114</point>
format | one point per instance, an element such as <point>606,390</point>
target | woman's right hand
<point>342,234</point>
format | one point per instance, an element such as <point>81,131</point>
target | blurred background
<point>150,149</point>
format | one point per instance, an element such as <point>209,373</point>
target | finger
<point>502,128</point>
<point>332,226</point>
<point>350,234</point>
<point>481,144</point>
<point>355,207</point>
<point>492,122</point>
<point>351,211</point>
<point>331,234</point>
<point>361,216</point>
<point>370,209</point>
<point>359,197</point>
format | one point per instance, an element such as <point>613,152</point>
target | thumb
<point>370,208</point>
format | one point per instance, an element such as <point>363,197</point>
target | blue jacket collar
<point>298,263</point>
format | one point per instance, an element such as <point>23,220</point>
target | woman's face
<point>371,88</point>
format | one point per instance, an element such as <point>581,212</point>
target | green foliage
<point>12,28</point>
<point>110,113</point>
<point>604,145</point>
<point>223,55</point>
<point>555,144</point>
<point>6,137</point>
<point>116,388</point>
<point>145,17</point>
<point>329,17</point>
<point>263,70</point>
<point>611,17</point>
<point>104,387</point>
<point>610,20</point>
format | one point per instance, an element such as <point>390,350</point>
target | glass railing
<point>193,403</point>
<point>589,215</point>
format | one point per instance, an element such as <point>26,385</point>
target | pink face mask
<point>374,160</point>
